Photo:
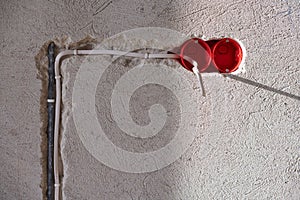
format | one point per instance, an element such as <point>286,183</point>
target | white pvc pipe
<point>58,92</point>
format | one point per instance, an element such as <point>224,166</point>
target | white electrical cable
<point>58,91</point>
<point>196,72</point>
<point>199,78</point>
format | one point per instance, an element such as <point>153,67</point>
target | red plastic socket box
<point>217,55</point>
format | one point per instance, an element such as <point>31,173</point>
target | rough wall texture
<point>247,149</point>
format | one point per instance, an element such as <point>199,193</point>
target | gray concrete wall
<point>248,147</point>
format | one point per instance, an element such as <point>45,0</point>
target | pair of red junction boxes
<point>217,55</point>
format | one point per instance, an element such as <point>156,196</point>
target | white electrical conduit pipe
<point>97,52</point>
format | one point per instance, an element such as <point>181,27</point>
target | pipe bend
<point>58,58</point>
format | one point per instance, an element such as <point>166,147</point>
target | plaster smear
<point>158,94</point>
<point>41,61</point>
<point>249,154</point>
